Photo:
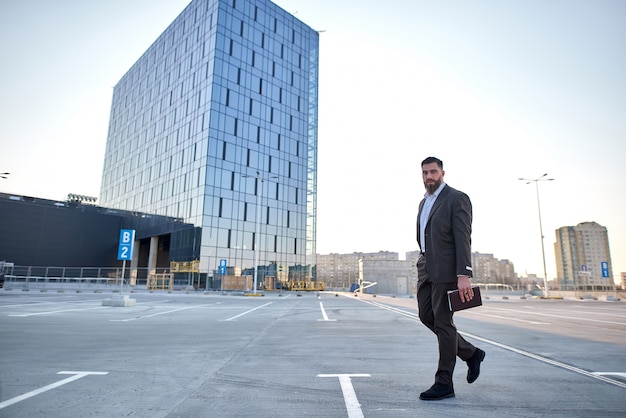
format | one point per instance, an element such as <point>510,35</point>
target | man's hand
<point>465,288</point>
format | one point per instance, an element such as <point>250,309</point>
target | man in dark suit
<point>444,227</point>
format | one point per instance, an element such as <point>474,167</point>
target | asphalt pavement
<point>326,354</point>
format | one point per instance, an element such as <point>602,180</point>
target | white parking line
<point>56,302</point>
<point>247,312</point>
<point>54,312</point>
<point>324,315</point>
<point>596,375</point>
<point>349,395</point>
<point>622,374</point>
<point>564,316</point>
<point>509,318</point>
<point>77,375</point>
<point>395,310</point>
<point>156,314</point>
<point>547,360</point>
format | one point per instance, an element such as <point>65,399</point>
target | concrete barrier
<point>122,301</point>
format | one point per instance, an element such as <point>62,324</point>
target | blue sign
<point>127,241</point>
<point>605,269</point>
<point>222,266</point>
<point>583,267</point>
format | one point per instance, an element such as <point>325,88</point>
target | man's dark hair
<point>433,160</point>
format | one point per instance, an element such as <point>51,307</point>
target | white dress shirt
<point>428,205</point>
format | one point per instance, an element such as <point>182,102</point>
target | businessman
<point>444,227</point>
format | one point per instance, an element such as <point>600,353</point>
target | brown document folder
<point>455,304</point>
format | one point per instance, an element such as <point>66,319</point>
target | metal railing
<point>97,279</point>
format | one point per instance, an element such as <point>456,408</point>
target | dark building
<point>41,232</point>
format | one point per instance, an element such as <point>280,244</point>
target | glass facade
<point>217,124</point>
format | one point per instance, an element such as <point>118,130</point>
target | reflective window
<point>218,100</point>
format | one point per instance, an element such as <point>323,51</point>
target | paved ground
<point>332,355</point>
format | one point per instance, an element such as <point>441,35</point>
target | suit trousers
<point>434,312</point>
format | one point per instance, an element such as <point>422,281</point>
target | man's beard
<point>432,188</point>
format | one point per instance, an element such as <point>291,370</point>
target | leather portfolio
<point>454,300</point>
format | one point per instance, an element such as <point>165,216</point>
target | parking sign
<point>127,240</point>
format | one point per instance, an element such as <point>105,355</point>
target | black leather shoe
<point>473,365</point>
<point>437,391</point>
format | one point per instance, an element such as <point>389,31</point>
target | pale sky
<point>497,89</point>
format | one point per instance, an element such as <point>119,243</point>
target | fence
<point>97,279</point>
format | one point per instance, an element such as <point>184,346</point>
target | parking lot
<point>313,354</point>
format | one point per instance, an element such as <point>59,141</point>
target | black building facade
<point>41,232</point>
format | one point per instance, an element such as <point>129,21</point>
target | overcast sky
<point>497,89</point>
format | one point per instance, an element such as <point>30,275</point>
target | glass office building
<point>216,124</point>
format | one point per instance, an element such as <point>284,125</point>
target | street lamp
<point>259,192</point>
<point>543,252</point>
<point>4,175</point>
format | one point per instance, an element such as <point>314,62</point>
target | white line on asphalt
<point>620,374</point>
<point>349,395</point>
<point>324,314</point>
<point>392,309</point>
<point>601,312</point>
<point>546,360</point>
<point>55,302</point>
<point>247,312</point>
<point>77,375</point>
<point>509,318</point>
<point>54,312</point>
<point>597,376</point>
<point>565,317</point>
<point>156,314</point>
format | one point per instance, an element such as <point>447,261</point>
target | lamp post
<point>543,252</point>
<point>259,192</point>
<point>4,175</point>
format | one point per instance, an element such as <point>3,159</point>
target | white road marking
<point>156,314</point>
<point>349,395</point>
<point>620,374</point>
<point>395,310</point>
<point>546,360</point>
<point>247,312</point>
<point>324,314</point>
<point>56,302</point>
<point>588,310</point>
<point>54,312</point>
<point>77,375</point>
<point>509,318</point>
<point>596,375</point>
<point>565,317</point>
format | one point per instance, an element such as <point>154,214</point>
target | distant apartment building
<point>395,276</point>
<point>342,270</point>
<point>583,256</point>
<point>486,268</point>
<point>216,124</point>
<point>489,270</point>
<point>412,257</point>
<point>392,277</point>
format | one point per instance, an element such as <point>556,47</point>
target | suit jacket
<point>448,236</point>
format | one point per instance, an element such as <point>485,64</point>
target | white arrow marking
<point>77,375</point>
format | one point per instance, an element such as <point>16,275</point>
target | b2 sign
<point>127,240</point>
